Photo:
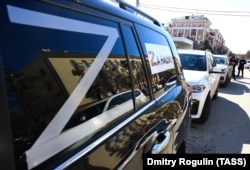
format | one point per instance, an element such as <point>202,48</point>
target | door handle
<point>164,139</point>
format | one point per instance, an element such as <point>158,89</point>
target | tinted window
<point>159,58</point>
<point>193,62</point>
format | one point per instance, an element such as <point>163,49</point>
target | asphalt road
<point>228,127</point>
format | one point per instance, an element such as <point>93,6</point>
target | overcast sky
<point>230,17</point>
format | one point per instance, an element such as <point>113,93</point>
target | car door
<point>150,128</point>
<point>163,65</point>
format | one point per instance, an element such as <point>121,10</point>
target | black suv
<point>60,59</point>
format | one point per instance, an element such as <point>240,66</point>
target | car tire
<point>205,111</point>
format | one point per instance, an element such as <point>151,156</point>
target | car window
<point>135,62</point>
<point>86,113</point>
<point>117,101</point>
<point>220,60</point>
<point>159,58</point>
<point>193,62</point>
<point>128,96</point>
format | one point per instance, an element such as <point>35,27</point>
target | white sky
<point>234,29</point>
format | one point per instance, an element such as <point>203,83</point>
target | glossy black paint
<point>55,66</point>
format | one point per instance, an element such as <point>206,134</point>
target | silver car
<point>222,62</point>
<point>247,65</point>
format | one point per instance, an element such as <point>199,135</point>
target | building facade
<point>197,29</point>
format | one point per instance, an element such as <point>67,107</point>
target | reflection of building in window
<point>49,80</point>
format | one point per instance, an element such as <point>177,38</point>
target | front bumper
<point>198,101</point>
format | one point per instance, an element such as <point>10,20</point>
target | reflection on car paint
<point>119,145</point>
<point>75,92</point>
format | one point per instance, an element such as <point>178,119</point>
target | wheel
<point>205,111</point>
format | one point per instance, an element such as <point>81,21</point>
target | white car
<point>222,62</point>
<point>84,114</point>
<point>247,65</point>
<point>201,73</point>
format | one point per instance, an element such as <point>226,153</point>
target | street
<point>227,129</point>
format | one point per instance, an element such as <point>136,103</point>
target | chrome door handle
<point>157,148</point>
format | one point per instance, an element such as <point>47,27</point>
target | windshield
<point>220,60</point>
<point>193,62</point>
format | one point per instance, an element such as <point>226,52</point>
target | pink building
<point>197,29</point>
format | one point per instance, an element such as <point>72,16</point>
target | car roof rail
<point>128,7</point>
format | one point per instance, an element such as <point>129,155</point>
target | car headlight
<point>198,88</point>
